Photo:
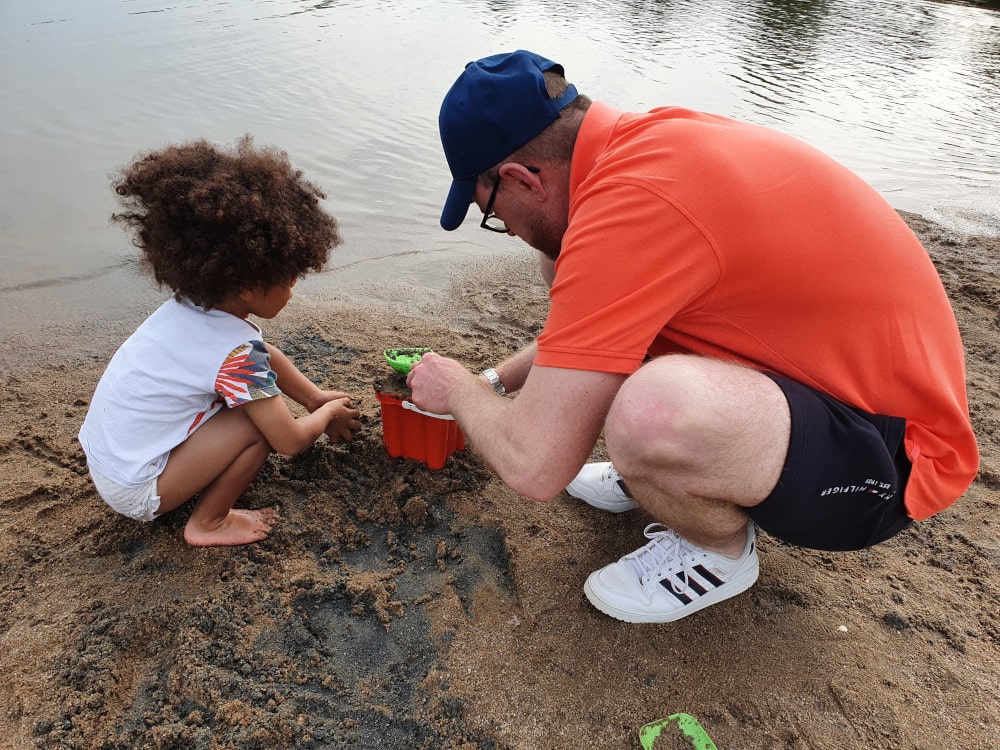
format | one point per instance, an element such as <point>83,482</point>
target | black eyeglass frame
<point>488,212</point>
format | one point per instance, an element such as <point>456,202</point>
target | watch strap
<point>491,375</point>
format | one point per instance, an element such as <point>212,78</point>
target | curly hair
<point>212,223</point>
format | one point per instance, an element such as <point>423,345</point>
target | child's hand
<point>345,420</point>
<point>324,397</point>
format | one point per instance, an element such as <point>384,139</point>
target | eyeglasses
<point>490,220</point>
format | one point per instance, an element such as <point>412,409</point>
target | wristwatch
<point>491,375</point>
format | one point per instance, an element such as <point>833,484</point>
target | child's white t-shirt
<point>178,369</point>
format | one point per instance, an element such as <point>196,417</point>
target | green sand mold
<point>401,360</point>
<point>688,725</point>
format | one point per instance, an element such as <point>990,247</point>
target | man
<point>760,336</point>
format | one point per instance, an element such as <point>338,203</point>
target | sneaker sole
<point>730,589</point>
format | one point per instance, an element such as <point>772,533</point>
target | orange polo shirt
<point>694,232</point>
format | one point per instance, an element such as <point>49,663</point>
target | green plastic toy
<point>688,726</point>
<point>401,360</point>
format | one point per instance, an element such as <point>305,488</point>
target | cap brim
<point>456,207</point>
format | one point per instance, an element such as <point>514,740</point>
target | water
<point>905,92</point>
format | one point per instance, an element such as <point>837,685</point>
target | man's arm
<point>514,370</point>
<point>535,442</point>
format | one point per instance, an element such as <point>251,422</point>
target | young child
<point>190,405</point>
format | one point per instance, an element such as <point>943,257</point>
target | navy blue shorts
<point>844,476</point>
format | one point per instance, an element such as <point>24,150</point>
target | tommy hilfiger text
<point>874,486</point>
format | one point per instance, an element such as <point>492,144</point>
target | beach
<point>400,607</point>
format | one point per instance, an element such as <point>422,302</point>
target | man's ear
<point>519,175</point>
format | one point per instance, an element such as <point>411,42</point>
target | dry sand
<point>399,607</point>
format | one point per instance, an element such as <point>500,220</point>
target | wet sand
<point>399,607</point>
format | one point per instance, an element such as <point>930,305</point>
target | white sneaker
<point>601,486</point>
<point>669,578</point>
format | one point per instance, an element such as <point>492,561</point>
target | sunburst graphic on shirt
<point>246,375</point>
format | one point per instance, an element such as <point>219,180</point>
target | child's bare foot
<point>235,528</point>
<point>267,515</point>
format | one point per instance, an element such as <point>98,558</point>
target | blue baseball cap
<point>498,104</point>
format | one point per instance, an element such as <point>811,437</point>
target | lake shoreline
<point>400,607</point>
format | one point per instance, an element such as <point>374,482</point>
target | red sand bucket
<point>410,432</point>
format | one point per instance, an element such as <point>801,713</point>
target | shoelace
<point>610,474</point>
<point>664,547</point>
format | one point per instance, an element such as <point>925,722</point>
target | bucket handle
<point>413,407</point>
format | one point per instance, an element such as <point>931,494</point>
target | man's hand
<point>434,379</point>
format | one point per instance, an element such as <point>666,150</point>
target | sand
<point>400,607</point>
